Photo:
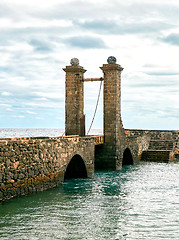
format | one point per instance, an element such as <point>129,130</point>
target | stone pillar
<point>74,98</point>
<point>114,135</point>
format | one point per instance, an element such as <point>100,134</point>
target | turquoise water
<point>138,202</point>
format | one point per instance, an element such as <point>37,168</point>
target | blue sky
<point>38,39</point>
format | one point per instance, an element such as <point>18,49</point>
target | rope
<point>95,108</point>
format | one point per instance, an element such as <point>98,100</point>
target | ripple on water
<point>138,202</point>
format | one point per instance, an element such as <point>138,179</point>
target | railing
<point>99,139</point>
<point>92,79</point>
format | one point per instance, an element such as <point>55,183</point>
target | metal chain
<point>95,108</point>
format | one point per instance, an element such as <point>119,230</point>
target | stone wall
<point>154,134</point>
<point>31,165</point>
<point>164,143</point>
<point>156,156</point>
<point>110,160</point>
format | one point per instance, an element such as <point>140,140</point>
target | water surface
<point>139,202</point>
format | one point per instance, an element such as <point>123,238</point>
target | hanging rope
<point>95,108</point>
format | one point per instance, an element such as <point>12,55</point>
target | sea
<point>137,202</point>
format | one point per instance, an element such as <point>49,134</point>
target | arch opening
<point>176,157</point>
<point>76,168</point>
<point>127,158</point>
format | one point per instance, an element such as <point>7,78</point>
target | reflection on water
<point>139,202</point>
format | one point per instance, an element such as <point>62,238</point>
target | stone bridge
<point>156,145</point>
<point>35,164</point>
<point>120,146</point>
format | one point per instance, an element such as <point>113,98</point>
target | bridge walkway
<point>98,139</point>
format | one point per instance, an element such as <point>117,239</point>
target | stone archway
<point>76,168</point>
<point>127,158</point>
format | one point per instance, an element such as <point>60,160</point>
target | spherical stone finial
<point>111,59</point>
<point>74,62</point>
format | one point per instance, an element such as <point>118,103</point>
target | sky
<point>39,37</point>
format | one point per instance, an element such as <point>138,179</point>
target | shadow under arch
<point>176,156</point>
<point>76,168</point>
<point>127,158</point>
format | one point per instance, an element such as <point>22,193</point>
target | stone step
<point>160,145</point>
<point>155,156</point>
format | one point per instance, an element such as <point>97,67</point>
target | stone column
<point>74,106</point>
<point>113,130</point>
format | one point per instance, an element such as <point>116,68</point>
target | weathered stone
<point>1,195</point>
<point>0,177</point>
<point>16,164</point>
<point>74,99</point>
<point>74,62</point>
<point>111,59</point>
<point>21,176</point>
<point>25,173</point>
<point>11,181</point>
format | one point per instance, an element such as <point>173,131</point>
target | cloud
<point>37,42</point>
<point>85,42</point>
<point>106,26</point>
<point>18,116</point>
<point>172,39</point>
<point>41,46</point>
<point>6,94</point>
<point>162,73</point>
<point>4,105</point>
<point>30,112</point>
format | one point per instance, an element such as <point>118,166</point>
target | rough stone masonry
<point>36,164</point>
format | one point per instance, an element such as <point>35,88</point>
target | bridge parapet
<point>38,163</point>
<point>98,139</point>
<point>34,138</point>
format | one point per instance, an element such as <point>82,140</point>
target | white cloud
<point>6,94</point>
<point>45,95</point>
<point>30,112</point>
<point>9,109</point>
<point>38,118</point>
<point>4,105</point>
<point>18,116</point>
<point>38,39</point>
